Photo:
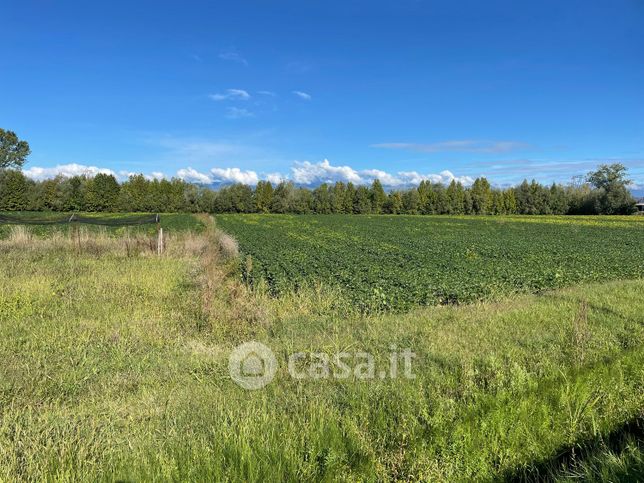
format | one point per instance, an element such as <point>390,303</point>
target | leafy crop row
<point>398,262</point>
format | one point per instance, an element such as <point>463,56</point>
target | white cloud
<point>123,174</point>
<point>384,177</point>
<point>231,95</point>
<point>302,172</point>
<point>233,56</point>
<point>465,146</point>
<point>275,178</point>
<point>234,175</point>
<point>238,113</point>
<point>193,176</point>
<point>157,175</point>
<point>302,95</point>
<point>66,170</point>
<point>445,177</point>
<point>267,93</point>
<point>312,174</point>
<point>305,172</point>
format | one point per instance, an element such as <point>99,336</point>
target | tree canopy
<point>605,193</point>
<point>613,197</point>
<point>13,151</point>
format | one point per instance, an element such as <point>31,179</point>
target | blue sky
<point>325,90</point>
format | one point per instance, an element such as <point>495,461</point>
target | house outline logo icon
<point>252,365</point>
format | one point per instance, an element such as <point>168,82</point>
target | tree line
<point>604,191</point>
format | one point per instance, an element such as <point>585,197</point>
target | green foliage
<point>378,197</point>
<point>613,197</point>
<point>394,203</point>
<point>412,261</point>
<point>263,197</point>
<point>338,197</point>
<point>283,198</point>
<point>14,190</point>
<point>362,201</point>
<point>481,196</point>
<point>13,151</point>
<point>411,202</point>
<point>103,193</point>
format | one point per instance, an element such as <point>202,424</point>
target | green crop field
<point>116,361</point>
<point>398,262</point>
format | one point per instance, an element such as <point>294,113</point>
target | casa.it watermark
<point>253,365</point>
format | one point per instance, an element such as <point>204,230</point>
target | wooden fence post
<point>160,241</point>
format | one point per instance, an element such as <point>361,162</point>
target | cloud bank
<point>307,173</point>
<point>65,170</point>
<point>304,173</point>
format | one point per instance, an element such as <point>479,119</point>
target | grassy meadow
<point>115,360</point>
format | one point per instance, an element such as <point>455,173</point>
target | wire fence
<point>74,218</point>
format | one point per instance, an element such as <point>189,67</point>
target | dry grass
<point>81,240</point>
<point>100,242</point>
<point>580,333</point>
<point>228,245</point>
<point>226,301</point>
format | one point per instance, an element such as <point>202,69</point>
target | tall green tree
<point>263,196</point>
<point>338,197</point>
<point>49,195</point>
<point>395,203</point>
<point>498,203</point>
<point>135,194</point>
<point>481,196</point>
<point>612,181</point>
<point>411,202</point>
<point>302,201</point>
<point>102,193</point>
<point>455,198</point>
<point>72,194</point>
<point>322,199</point>
<point>426,197</point>
<point>242,198</point>
<point>362,201</point>
<point>440,202</point>
<point>13,151</point>
<point>283,198</point>
<point>349,197</point>
<point>14,190</point>
<point>510,201</point>
<point>378,196</point>
<point>559,204</point>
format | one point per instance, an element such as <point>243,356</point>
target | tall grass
<point>115,367</point>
